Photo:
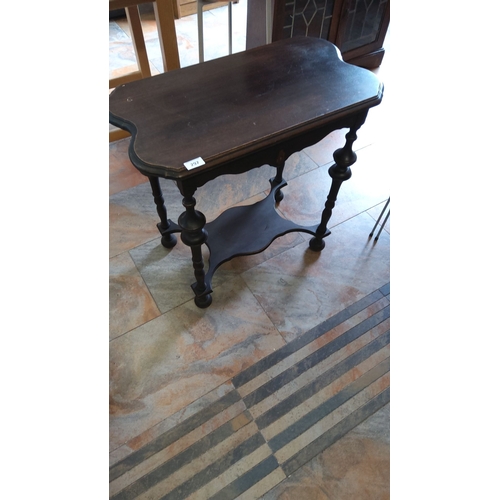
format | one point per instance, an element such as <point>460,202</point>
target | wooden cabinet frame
<point>367,55</point>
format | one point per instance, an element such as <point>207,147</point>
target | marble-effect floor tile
<point>122,174</point>
<point>168,363</point>
<point>368,186</point>
<point>300,288</point>
<point>216,447</point>
<point>131,304</point>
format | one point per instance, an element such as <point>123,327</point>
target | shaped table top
<point>233,106</point>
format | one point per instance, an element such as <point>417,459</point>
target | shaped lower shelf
<point>247,230</point>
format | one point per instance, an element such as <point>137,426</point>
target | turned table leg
<point>275,181</point>
<point>168,240</point>
<point>194,235</point>
<point>339,172</point>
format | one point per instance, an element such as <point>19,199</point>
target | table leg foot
<point>316,244</point>
<point>168,240</point>
<point>204,301</point>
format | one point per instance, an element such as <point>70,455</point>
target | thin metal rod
<point>200,32</point>
<point>380,216</point>
<point>269,21</point>
<point>383,224</point>
<point>230,20</point>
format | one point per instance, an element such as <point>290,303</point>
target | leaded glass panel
<point>363,23</point>
<point>308,18</point>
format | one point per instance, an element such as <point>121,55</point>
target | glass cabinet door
<point>356,27</point>
<point>308,18</point>
<point>360,23</point>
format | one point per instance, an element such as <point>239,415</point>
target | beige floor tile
<point>172,421</point>
<point>161,367</point>
<point>369,185</point>
<point>133,215</point>
<point>122,174</point>
<point>130,303</point>
<point>300,288</point>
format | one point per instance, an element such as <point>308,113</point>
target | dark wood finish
<point>339,172</point>
<point>357,27</point>
<point>165,226</point>
<point>274,100</point>
<point>360,33</point>
<point>236,242</point>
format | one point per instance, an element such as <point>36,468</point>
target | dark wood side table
<point>233,114</point>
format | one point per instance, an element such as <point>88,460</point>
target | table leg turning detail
<point>339,172</point>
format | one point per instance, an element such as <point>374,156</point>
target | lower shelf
<point>247,230</point>
<point>239,231</point>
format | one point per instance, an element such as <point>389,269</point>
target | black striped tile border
<point>315,358</point>
<point>214,451</point>
<point>304,339</point>
<point>336,432</point>
<point>217,468</point>
<point>183,458</point>
<point>248,479</point>
<point>319,383</point>
<point>172,435</point>
<point>328,406</point>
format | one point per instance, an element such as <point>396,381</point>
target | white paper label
<point>197,162</point>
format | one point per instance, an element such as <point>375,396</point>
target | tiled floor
<point>280,389</point>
